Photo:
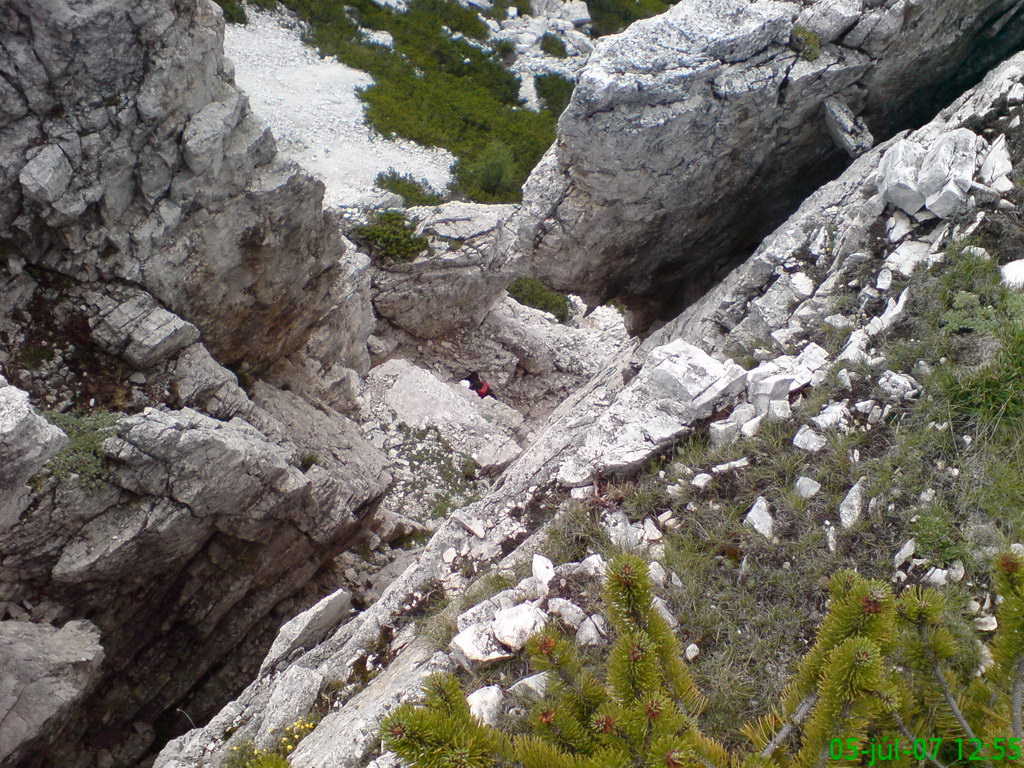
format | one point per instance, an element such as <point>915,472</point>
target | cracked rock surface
<point>691,134</point>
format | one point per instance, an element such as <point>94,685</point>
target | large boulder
<point>692,134</point>
<point>44,671</point>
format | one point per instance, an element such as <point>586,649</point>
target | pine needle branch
<point>1017,698</point>
<point>913,740</point>
<point>798,716</point>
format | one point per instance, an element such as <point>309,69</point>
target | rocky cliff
<point>690,135</point>
<point>182,332</point>
<point>859,238</point>
<point>151,248</point>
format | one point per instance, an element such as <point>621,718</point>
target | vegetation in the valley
<point>531,292</point>
<point>552,45</point>
<point>554,92</point>
<point>412,191</point>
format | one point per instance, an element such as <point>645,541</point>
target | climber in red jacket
<point>478,385</point>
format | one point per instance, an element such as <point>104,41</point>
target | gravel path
<point>311,105</point>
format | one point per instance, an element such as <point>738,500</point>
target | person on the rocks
<point>478,385</point>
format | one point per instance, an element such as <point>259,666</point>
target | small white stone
<point>543,569</point>
<point>884,280</point>
<point>514,626</point>
<point>591,567</point>
<point>731,466</point>
<point>986,624</point>
<point>935,577</point>
<point>905,553</point>
<point>701,481</point>
<point>851,507</point>
<point>807,487</point>
<point>592,631</point>
<point>449,555</point>
<point>665,613</point>
<point>534,685</point>
<point>831,416</point>
<point>831,539</point>
<point>691,651</point>
<point>485,704</point>
<point>752,427</point>
<point>760,519</point>
<point>1013,273</point>
<point>571,613</point>
<point>657,573</point>
<point>956,572</point>
<point>651,530</point>
<point>807,439</point>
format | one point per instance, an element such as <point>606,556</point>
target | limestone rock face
<point>691,133</point>
<point>399,392</point>
<point>455,287</point>
<point>129,155</point>
<point>149,241</point>
<point>199,530</point>
<point>44,671</point>
<point>679,385</point>
<point>27,441</point>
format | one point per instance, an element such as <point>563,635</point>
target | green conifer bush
<point>883,667</point>
<point>391,236</point>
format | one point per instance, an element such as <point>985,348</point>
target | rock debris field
<point>312,106</point>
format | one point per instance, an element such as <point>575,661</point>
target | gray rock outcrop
<point>455,286</point>
<point>149,240</point>
<point>693,133</point>
<point>27,442</point>
<point>44,671</point>
<point>129,155</point>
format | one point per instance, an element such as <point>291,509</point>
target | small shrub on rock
<point>531,292</point>
<point>391,237</point>
<point>806,42</point>
<point>412,191</point>
<point>83,455</point>
<point>554,92</point>
<point>553,46</point>
<point>491,177</point>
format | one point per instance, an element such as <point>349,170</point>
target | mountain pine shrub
<point>882,668</point>
<point>531,292</point>
<point>391,237</point>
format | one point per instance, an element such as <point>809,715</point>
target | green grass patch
<point>412,191</point>
<point>392,237</point>
<point>611,16</point>
<point>805,42</point>
<point>34,355</point>
<point>83,455</point>
<point>552,45</point>
<point>531,292</point>
<point>554,92</point>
